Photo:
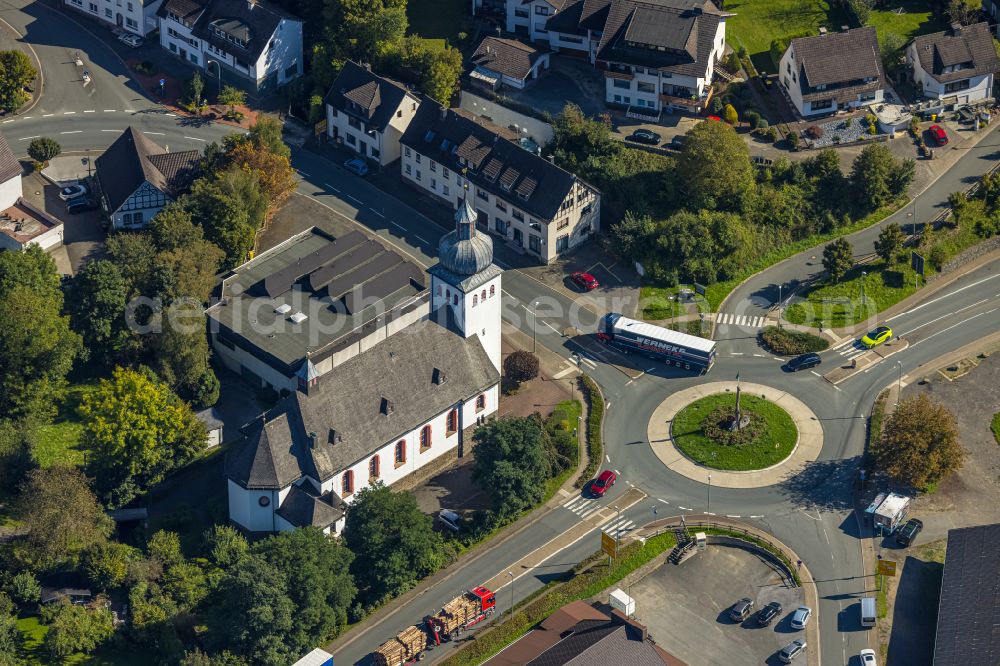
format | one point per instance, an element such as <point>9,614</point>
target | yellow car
<point>876,337</point>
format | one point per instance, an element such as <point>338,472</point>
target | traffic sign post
<point>887,568</point>
<point>609,545</point>
<point>699,289</point>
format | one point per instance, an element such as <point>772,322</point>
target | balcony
<point>622,76</point>
<point>685,100</point>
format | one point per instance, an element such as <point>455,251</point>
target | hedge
<point>589,578</point>
<point>760,543</point>
<point>786,342</point>
<point>595,428</point>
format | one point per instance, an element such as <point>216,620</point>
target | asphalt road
<point>811,512</point>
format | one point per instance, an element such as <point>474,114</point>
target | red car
<point>939,135</point>
<point>585,281</point>
<point>600,485</point>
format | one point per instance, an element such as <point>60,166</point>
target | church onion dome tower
<point>465,251</point>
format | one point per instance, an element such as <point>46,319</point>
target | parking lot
<point>686,608</point>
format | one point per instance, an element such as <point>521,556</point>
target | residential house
<point>956,63</point>
<point>656,54</point>
<point>21,224</point>
<point>136,178</point>
<point>253,39</point>
<point>518,196</point>
<point>391,405</point>
<point>833,71</point>
<point>368,113</point>
<point>527,18</point>
<point>136,16</point>
<point>578,633</point>
<point>508,62</point>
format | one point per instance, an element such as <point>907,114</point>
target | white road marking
<point>47,115</point>
<point>736,354</point>
<point>730,516</point>
<point>331,187</point>
<point>8,121</point>
<point>827,535</point>
<point>760,355</point>
<point>303,173</point>
<point>172,115</point>
<point>550,326</point>
<point>115,131</point>
<point>129,111</point>
<point>91,111</point>
<point>422,240</point>
<point>72,132</point>
<point>378,213</point>
<point>564,372</point>
<point>28,138</point>
<point>194,138</point>
<point>944,316</point>
<point>69,113</point>
<point>923,305</point>
<point>109,110</point>
<point>354,198</point>
<point>650,369</point>
<point>949,328</point>
<point>684,508</point>
<point>709,513</point>
<point>397,225</point>
<point>154,133</point>
<point>27,118</point>
<point>660,499</point>
<point>815,373</point>
<point>607,457</point>
<point>761,516</point>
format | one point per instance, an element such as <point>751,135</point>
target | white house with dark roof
<point>136,178</point>
<point>522,198</point>
<point>526,18</point>
<point>368,113</point>
<point>136,16</point>
<point>10,175</point>
<point>959,62</point>
<point>257,40</point>
<point>21,224</point>
<point>833,71</point>
<point>383,413</point>
<point>498,61</point>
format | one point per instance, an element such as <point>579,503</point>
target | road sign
<point>608,545</point>
<point>320,127</point>
<point>917,263</point>
<point>887,568</point>
<point>163,82</point>
<point>699,289</point>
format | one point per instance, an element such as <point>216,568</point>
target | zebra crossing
<point>849,348</point>
<point>747,321</point>
<point>584,507</point>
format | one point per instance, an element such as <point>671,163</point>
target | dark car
<point>601,484</point>
<point>908,532</point>
<point>585,281</point>
<point>678,141</point>
<point>803,362</point>
<point>646,136</point>
<point>357,166</point>
<point>741,609</point>
<point>938,134</point>
<point>766,614</point>
<point>80,205</point>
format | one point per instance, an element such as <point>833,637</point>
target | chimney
<point>439,376</point>
<point>956,29</point>
<point>387,407</point>
<point>334,437</point>
<point>312,440</point>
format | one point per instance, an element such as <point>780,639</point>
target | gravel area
<point>857,129</point>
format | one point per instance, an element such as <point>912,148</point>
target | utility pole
<point>779,306</point>
<point>739,416</point>
<point>709,510</point>
<point>534,327</point>
<point>899,383</point>
<point>511,574</point>
<point>863,274</point>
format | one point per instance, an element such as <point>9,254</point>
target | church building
<point>383,411</point>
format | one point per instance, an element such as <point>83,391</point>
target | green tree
<point>965,12</point>
<point>195,89</point>
<point>75,628</point>
<point>511,463</point>
<point>43,149</point>
<point>363,29</point>
<point>16,442</point>
<point>714,168</point>
<point>389,528</point>
<point>137,431</point>
<point>24,588</point>
<point>198,658</point>
<point>107,563</point>
<point>520,366</point>
<point>11,639</point>
<point>889,243</point>
<point>318,580</point>
<point>253,614</point>
<point>37,345</point>
<point>630,238</point>
<point>838,258</point>
<point>861,9</point>
<point>706,246</point>
<point>579,137</point>
<point>878,177</point>
<point>919,443</point>
<point>61,518</point>
<point>226,545</point>
<point>730,115</point>
<point>232,97</point>
<point>16,74</point>
<point>227,209</point>
<point>891,46</point>
<point>266,133</point>
<point>98,301</point>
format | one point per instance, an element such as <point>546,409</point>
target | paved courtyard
<point>686,608</point>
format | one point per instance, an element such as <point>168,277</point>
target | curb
<point>38,67</point>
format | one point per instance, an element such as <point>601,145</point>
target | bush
<point>43,149</point>
<point>144,67</point>
<point>793,140</point>
<point>753,118</point>
<point>814,132</point>
<point>520,366</point>
<point>595,426</point>
<point>791,343</point>
<point>729,114</point>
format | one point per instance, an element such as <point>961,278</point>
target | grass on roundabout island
<point>773,444</point>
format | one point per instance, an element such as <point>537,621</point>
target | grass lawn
<point>438,19</point>
<point>35,653</point>
<point>60,440</point>
<point>914,19</point>
<point>566,416</point>
<point>657,303</point>
<point>773,445</point>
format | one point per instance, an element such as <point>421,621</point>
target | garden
<point>701,431</point>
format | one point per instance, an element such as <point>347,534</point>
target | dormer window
<point>234,31</point>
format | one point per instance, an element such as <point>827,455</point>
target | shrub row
<point>588,578</point>
<point>784,341</point>
<point>595,427</point>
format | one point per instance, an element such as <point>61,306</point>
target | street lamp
<point>709,510</point>
<point>779,306</point>
<point>863,274</point>
<point>218,68</point>
<point>511,574</point>
<point>534,325</point>
<point>899,383</point>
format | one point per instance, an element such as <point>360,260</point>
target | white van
<point>868,612</point>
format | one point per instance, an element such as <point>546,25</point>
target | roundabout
<point>688,434</point>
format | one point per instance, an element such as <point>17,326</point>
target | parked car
<point>876,337</point>
<point>867,657</point>
<point>908,532</point>
<point>803,362</point>
<point>600,485</point>
<point>678,141</point>
<point>646,136</point>
<point>450,520</point>
<point>800,618</point>
<point>73,191</point>
<point>938,134</point>
<point>79,205</point>
<point>130,40</point>
<point>789,653</point>
<point>767,614</point>
<point>357,166</point>
<point>585,281</point>
<point>741,609</point>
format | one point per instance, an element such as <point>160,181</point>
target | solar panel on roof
<point>281,281</point>
<point>357,256</point>
<point>381,287</point>
<point>362,274</point>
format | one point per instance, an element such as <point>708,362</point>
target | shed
<point>213,423</point>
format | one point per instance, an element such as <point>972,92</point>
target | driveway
<point>568,80</point>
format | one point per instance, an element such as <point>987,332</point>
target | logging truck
<point>456,616</point>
